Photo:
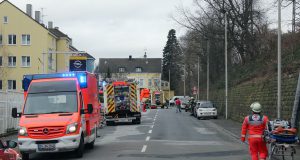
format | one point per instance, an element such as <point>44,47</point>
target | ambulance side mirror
<point>90,108</point>
<point>11,144</point>
<point>15,114</point>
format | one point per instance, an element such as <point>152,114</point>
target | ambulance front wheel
<point>25,156</point>
<point>80,149</point>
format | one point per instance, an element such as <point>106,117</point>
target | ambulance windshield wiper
<point>57,112</point>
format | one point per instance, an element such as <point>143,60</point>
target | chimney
<point>145,55</point>
<point>50,24</point>
<point>38,16</point>
<point>130,57</point>
<point>29,10</point>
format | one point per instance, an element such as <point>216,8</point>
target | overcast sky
<point>118,28</point>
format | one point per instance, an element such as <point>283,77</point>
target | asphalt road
<point>163,134</point>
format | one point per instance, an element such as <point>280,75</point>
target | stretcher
<point>282,139</point>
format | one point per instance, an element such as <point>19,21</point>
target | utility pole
<point>279,62</point>
<point>293,25</point>
<point>207,85</point>
<point>226,69</point>
<point>198,83</point>
<point>184,80</point>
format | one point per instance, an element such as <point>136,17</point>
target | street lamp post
<point>184,80</point>
<point>207,85</point>
<point>279,62</point>
<point>226,69</point>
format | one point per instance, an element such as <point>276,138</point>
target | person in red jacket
<point>255,125</point>
<point>178,105</point>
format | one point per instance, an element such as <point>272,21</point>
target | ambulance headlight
<point>72,128</point>
<point>22,131</point>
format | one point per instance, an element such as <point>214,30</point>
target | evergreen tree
<point>172,60</point>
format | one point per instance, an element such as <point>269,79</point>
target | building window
<point>12,85</point>
<point>149,82</point>
<point>25,61</point>
<point>121,69</point>
<point>162,84</point>
<point>1,41</point>
<point>138,69</point>
<point>12,60</point>
<point>0,84</point>
<point>1,63</point>
<point>5,19</point>
<point>141,82</point>
<point>167,84</point>
<point>12,39</point>
<point>156,82</point>
<point>50,60</point>
<point>25,39</point>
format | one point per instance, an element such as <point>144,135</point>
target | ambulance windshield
<point>55,102</point>
<point>51,97</point>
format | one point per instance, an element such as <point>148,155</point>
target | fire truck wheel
<point>137,121</point>
<point>80,149</point>
<point>110,123</point>
<point>25,156</point>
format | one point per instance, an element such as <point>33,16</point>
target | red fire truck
<point>121,101</point>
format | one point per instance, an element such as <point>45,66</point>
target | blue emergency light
<point>81,77</point>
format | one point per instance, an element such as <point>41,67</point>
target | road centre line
<point>148,138</point>
<point>144,148</point>
<point>152,126</point>
<point>150,131</point>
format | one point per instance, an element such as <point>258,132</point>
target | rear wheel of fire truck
<point>136,121</point>
<point>110,123</point>
<point>25,156</point>
<point>80,149</point>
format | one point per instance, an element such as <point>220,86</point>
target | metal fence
<point>9,100</point>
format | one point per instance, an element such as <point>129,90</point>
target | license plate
<point>207,113</point>
<point>124,120</point>
<point>46,147</point>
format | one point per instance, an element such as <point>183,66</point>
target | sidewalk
<point>234,129</point>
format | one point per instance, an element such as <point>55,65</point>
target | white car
<point>183,99</point>
<point>205,109</point>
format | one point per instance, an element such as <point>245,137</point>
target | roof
<point>58,33</point>
<point>42,25</point>
<point>72,48</point>
<point>90,56</point>
<point>148,65</point>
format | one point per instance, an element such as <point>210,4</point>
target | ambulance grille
<point>49,132</point>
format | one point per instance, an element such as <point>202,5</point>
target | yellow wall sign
<point>78,58</point>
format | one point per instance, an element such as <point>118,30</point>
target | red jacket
<point>178,102</point>
<point>255,125</point>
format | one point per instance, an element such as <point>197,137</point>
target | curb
<point>8,134</point>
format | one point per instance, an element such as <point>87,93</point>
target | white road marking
<point>204,131</point>
<point>148,138</point>
<point>150,131</point>
<point>144,148</point>
<point>152,126</point>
